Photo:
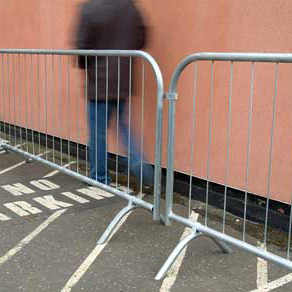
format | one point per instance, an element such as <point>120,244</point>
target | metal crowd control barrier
<point>39,89</point>
<point>41,79</point>
<point>198,229</point>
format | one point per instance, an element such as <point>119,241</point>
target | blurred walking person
<point>103,25</point>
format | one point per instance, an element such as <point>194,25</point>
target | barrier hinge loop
<point>171,96</point>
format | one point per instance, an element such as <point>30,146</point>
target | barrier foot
<point>175,253</point>
<point>111,227</point>
<point>2,145</point>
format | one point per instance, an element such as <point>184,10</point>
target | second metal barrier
<point>211,133</point>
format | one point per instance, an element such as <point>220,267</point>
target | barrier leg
<point>111,227</point>
<point>2,144</point>
<point>225,248</point>
<point>180,246</point>
<point>178,249</point>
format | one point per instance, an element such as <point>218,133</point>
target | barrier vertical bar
<point>118,120</point>
<point>20,101</point>
<point>32,115</point>
<point>142,125</point>
<point>60,107</point>
<point>96,126</point>
<point>25,96</point>
<point>106,121</point>
<point>228,143</point>
<point>53,103</point>
<point>170,159</point>
<point>77,113</point>
<point>271,151</point>
<point>86,111</point>
<point>14,103</point>
<point>46,107</point>
<point>248,149</point>
<point>289,234</point>
<point>9,99</point>
<point>69,107</point>
<point>192,137</point>
<point>39,100</point>
<point>209,141</point>
<point>158,143</point>
<point>129,124</point>
<point>3,105</point>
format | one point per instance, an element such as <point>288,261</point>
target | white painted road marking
<point>4,217</point>
<point>101,192</point>
<point>16,209</point>
<point>57,171</point>
<point>91,258</point>
<point>19,164</point>
<point>28,207</point>
<point>51,203</point>
<point>76,198</point>
<point>12,167</point>
<point>275,284</point>
<point>262,269</point>
<point>262,277</point>
<point>30,237</point>
<point>90,193</point>
<point>171,276</point>
<point>44,185</point>
<point>17,189</point>
<point>83,268</point>
<point>22,208</point>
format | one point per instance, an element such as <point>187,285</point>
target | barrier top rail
<point>101,53</point>
<point>232,57</point>
<point>122,53</point>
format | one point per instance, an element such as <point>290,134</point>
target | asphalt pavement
<point>50,224</point>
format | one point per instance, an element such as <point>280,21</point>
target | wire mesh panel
<point>54,101</point>
<point>235,158</point>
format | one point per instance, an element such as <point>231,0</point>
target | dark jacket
<point>109,24</point>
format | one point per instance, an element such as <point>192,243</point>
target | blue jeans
<point>97,143</point>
